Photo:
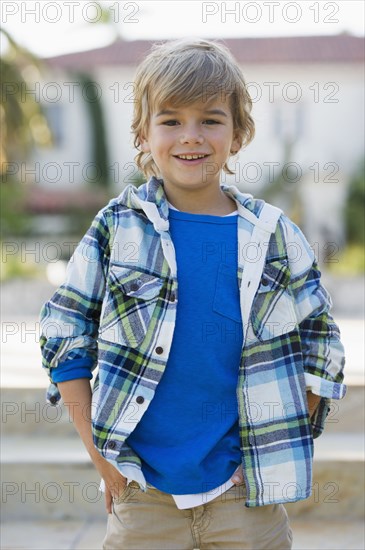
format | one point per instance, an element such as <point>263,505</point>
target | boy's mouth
<point>192,156</point>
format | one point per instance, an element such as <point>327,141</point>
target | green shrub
<point>355,208</point>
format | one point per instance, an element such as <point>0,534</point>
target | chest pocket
<point>130,300</point>
<point>227,298</point>
<point>273,312</point>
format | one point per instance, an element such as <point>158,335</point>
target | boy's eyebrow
<point>165,112</point>
<point>208,112</point>
<point>216,112</point>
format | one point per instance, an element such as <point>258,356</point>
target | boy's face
<point>204,128</point>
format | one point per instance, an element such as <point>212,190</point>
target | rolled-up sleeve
<point>70,319</point>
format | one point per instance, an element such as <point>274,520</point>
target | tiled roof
<point>300,49</point>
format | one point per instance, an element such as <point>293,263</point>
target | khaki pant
<point>151,521</point>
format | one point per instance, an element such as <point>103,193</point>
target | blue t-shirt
<point>188,439</point>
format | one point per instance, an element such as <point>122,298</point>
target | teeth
<point>191,157</point>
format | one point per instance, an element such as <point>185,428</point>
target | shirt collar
<point>151,198</point>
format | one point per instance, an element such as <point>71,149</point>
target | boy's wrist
<point>97,458</point>
<point>313,402</point>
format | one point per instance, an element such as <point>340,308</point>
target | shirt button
<point>265,282</point>
<point>53,400</point>
<point>134,287</point>
<point>140,400</point>
<point>159,350</point>
<point>172,298</point>
<point>112,445</point>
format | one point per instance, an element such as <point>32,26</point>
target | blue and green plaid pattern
<point>116,311</point>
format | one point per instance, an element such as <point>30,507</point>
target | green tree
<point>22,119</point>
<point>355,207</point>
<point>23,125</point>
<point>99,144</point>
<point>283,189</point>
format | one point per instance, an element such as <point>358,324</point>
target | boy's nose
<point>191,135</point>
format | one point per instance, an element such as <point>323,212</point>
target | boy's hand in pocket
<point>237,477</point>
<point>115,483</point>
<point>313,402</point>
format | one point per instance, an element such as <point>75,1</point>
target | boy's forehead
<point>202,104</point>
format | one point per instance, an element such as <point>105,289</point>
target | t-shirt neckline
<point>217,216</point>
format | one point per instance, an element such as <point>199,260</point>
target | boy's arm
<point>76,395</point>
<point>70,319</point>
<point>69,329</point>
<point>322,349</point>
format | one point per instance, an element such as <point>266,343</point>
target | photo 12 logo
<point>270,12</point>
<point>71,11</point>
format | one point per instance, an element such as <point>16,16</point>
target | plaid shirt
<point>117,310</point>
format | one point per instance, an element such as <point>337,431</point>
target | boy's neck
<point>196,203</point>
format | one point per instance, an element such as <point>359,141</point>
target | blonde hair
<point>181,72</point>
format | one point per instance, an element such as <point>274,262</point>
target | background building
<point>308,109</point>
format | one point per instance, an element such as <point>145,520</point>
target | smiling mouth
<point>192,157</point>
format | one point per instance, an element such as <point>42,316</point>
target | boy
<point>204,311</point>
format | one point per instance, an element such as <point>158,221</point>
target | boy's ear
<point>236,142</point>
<point>144,144</point>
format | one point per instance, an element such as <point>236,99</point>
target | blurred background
<point>67,71</point>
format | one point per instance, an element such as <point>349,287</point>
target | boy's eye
<point>174,122</point>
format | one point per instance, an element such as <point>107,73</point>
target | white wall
<point>329,137</point>
<point>117,102</point>
<point>328,132</point>
<point>64,165</point>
